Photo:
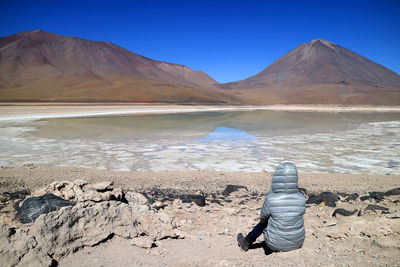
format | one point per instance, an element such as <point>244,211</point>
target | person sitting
<point>281,218</point>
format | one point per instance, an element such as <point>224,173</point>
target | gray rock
<point>57,234</point>
<point>136,198</point>
<point>20,249</point>
<point>102,186</point>
<point>89,223</point>
<point>33,207</point>
<point>343,212</point>
<point>377,196</point>
<point>158,227</point>
<point>35,258</point>
<point>85,224</point>
<point>374,208</point>
<point>393,192</point>
<point>80,191</point>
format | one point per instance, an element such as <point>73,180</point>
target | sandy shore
<point>34,177</point>
<point>30,111</point>
<point>210,231</point>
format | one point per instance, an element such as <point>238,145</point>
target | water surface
<point>227,141</point>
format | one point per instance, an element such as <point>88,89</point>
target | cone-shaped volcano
<point>323,72</point>
<point>38,65</point>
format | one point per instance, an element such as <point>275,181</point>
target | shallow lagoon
<point>227,141</point>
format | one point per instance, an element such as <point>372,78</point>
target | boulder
<point>85,224</point>
<point>57,234</point>
<point>60,227</point>
<point>33,207</point>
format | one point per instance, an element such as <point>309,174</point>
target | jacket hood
<point>285,179</point>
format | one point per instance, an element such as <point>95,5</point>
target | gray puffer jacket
<point>283,208</point>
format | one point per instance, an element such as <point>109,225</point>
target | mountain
<point>320,72</point>
<point>42,66</point>
<point>38,65</point>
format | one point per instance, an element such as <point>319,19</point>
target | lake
<point>251,141</point>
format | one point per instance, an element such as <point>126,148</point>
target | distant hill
<point>321,72</point>
<point>38,65</point>
<point>42,66</point>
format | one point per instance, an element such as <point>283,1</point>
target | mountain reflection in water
<point>227,134</point>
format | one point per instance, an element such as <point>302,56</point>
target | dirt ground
<point>34,177</point>
<point>210,231</point>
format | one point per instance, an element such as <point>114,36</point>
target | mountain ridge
<point>47,66</point>
<point>41,66</point>
<point>38,36</point>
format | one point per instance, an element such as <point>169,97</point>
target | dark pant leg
<point>256,232</point>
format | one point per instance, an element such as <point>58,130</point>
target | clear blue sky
<point>229,40</point>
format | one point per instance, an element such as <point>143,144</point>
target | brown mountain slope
<point>321,72</point>
<point>37,65</point>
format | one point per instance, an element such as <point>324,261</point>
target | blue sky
<point>229,40</point>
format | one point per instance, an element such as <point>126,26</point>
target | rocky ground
<point>191,218</point>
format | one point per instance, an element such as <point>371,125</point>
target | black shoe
<point>242,242</point>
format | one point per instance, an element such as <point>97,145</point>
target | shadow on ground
<point>258,245</point>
